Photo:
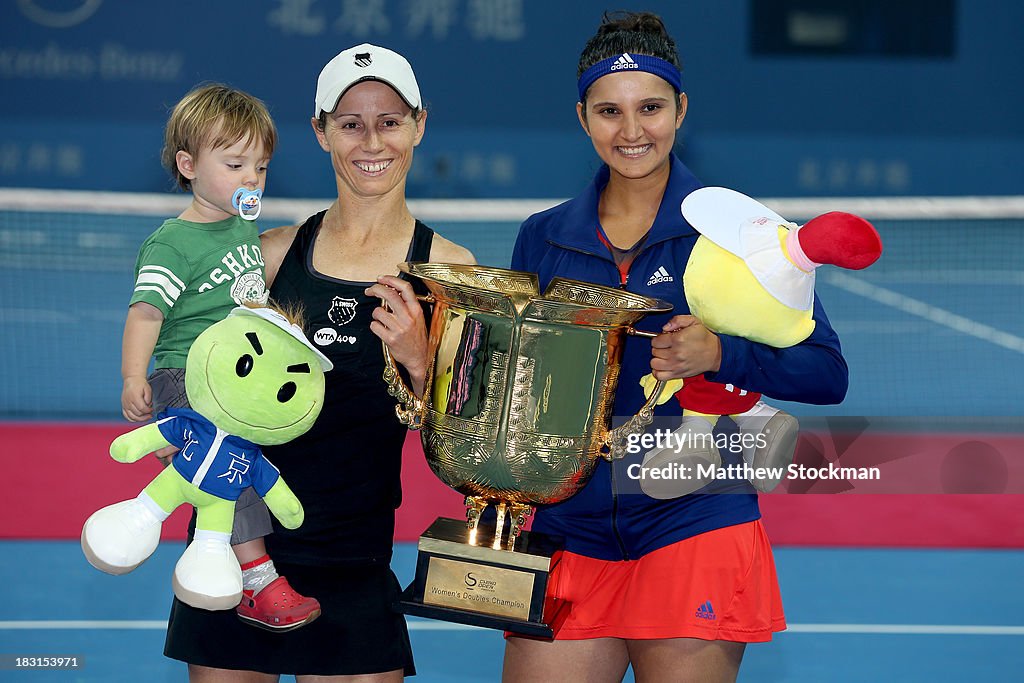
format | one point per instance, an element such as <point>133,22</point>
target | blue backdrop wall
<point>86,85</point>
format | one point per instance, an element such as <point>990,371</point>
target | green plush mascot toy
<point>751,275</point>
<point>252,378</point>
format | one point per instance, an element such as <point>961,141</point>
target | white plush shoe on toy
<point>118,538</point>
<point>770,437</point>
<point>207,575</point>
<point>684,464</point>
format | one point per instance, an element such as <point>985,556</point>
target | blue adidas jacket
<point>610,518</point>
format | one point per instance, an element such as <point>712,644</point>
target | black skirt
<point>358,632</point>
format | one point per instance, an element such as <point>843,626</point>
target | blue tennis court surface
<point>854,615</point>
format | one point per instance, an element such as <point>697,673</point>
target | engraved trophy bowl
<point>520,385</point>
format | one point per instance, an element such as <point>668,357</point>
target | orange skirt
<point>719,585</point>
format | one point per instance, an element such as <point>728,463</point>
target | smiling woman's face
<point>632,119</point>
<point>370,136</point>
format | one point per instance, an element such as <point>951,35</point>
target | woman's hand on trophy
<point>685,348</point>
<point>399,322</point>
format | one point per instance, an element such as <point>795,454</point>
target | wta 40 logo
<point>326,336</point>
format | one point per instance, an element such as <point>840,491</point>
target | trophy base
<point>475,584</point>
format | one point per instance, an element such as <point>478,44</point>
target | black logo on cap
<point>363,59</point>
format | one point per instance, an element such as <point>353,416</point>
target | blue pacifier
<point>247,202</point>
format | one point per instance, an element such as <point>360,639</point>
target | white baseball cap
<point>365,63</point>
<point>272,316</point>
<point>749,229</point>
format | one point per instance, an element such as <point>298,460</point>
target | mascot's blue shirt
<point>217,462</point>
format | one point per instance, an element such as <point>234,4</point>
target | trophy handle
<point>410,409</point>
<point>615,439</point>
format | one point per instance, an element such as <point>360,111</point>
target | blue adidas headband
<point>627,62</point>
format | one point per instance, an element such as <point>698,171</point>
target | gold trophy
<point>516,411</point>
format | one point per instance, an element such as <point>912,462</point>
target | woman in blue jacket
<point>675,587</point>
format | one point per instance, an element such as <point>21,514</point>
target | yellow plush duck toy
<point>751,275</point>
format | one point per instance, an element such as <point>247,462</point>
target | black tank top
<point>346,469</point>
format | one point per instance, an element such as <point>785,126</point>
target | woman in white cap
<point>675,587</point>
<point>368,117</point>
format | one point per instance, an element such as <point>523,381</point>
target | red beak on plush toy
<point>840,239</point>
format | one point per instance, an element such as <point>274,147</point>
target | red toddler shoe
<point>277,607</point>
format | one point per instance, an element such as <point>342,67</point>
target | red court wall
<point>59,473</point>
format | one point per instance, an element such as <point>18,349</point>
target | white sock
<point>258,577</point>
